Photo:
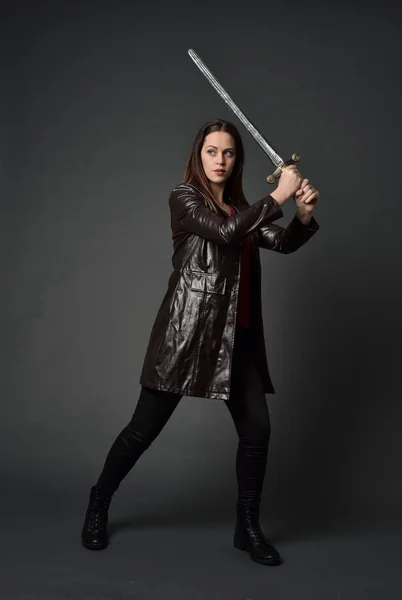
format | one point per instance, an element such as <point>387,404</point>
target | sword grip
<point>277,173</point>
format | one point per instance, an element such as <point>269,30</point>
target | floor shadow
<point>182,516</point>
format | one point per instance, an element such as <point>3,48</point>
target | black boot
<point>94,533</point>
<point>248,536</point>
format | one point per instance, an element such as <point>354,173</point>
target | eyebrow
<point>211,146</point>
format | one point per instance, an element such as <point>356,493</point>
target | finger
<point>294,170</point>
<point>307,188</point>
<point>309,197</point>
<point>307,191</point>
<point>301,189</point>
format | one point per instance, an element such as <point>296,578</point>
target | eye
<point>229,152</point>
<point>209,151</point>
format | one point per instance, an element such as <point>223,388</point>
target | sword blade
<point>261,141</point>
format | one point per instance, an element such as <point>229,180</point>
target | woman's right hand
<point>289,182</point>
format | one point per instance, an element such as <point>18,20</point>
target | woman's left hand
<point>306,197</point>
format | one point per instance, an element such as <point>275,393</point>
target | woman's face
<point>218,156</point>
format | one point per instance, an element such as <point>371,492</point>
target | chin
<point>217,179</point>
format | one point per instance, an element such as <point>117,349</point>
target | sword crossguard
<point>277,173</point>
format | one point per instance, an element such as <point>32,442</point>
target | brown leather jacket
<point>191,342</point>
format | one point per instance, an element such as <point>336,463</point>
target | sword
<point>276,160</point>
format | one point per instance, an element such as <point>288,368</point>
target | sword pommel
<point>277,173</point>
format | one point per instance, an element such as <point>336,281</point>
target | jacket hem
<point>193,392</point>
<point>186,391</point>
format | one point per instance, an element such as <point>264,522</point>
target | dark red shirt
<point>243,306</point>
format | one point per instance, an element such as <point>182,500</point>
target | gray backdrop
<point>101,104</point>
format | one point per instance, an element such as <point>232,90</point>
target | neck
<point>217,190</point>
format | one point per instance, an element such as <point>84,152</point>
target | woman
<point>207,339</point>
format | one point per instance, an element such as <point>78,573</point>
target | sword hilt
<point>277,173</point>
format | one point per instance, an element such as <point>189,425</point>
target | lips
<point>219,171</point>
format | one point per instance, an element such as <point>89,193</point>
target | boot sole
<point>267,561</point>
<point>94,546</point>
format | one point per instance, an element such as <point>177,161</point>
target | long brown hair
<point>194,173</point>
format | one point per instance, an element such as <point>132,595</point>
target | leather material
<point>191,342</point>
<point>94,532</point>
<point>249,537</point>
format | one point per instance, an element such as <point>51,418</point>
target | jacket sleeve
<point>286,239</point>
<point>189,212</point>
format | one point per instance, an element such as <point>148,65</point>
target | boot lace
<point>97,515</point>
<point>251,524</point>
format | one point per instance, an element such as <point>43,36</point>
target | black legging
<point>247,405</point>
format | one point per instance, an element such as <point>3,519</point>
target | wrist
<point>278,196</point>
<point>304,217</point>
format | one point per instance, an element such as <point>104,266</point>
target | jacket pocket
<point>207,282</point>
